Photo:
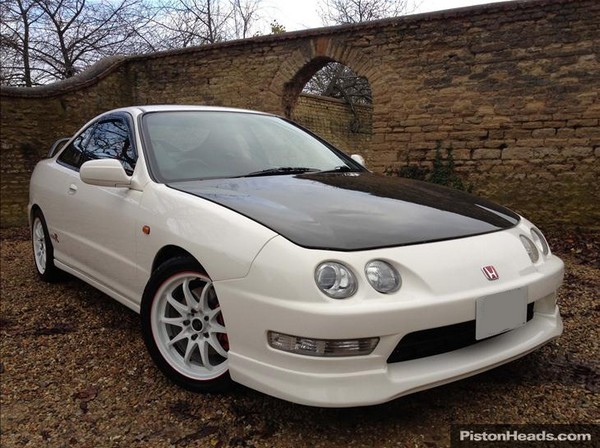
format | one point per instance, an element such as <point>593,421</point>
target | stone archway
<point>344,120</point>
<point>293,87</point>
<point>304,62</point>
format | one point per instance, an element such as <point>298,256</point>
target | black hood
<point>353,211</point>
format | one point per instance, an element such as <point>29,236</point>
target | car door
<point>59,186</point>
<point>98,222</point>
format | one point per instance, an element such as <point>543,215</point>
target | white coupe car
<point>255,252</point>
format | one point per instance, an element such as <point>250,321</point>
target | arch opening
<point>332,100</point>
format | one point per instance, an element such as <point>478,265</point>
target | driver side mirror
<point>104,173</point>
<point>360,159</point>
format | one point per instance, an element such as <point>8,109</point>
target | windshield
<point>186,145</point>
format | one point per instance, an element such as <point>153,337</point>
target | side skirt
<point>100,286</point>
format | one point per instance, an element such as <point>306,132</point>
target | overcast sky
<point>297,15</point>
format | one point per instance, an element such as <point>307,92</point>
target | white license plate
<point>500,312</point>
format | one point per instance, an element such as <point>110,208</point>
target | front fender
<point>223,241</point>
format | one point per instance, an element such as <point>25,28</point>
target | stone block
<point>517,153</point>
<point>479,154</point>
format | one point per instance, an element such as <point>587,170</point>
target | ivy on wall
<point>442,172</point>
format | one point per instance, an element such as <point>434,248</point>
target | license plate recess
<point>498,313</point>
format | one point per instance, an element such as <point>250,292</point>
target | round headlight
<point>529,246</point>
<point>382,276</point>
<point>540,241</point>
<point>335,280</point>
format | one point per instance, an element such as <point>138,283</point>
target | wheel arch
<point>34,208</point>
<point>172,251</point>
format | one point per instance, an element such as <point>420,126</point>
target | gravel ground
<point>75,372</point>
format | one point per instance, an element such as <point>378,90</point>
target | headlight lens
<point>532,251</point>
<point>382,276</point>
<point>335,280</point>
<point>540,241</point>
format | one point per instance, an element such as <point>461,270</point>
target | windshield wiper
<point>340,169</point>
<point>280,170</point>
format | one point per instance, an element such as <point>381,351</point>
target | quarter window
<point>73,155</point>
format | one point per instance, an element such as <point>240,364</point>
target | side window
<point>111,140</point>
<point>73,155</point>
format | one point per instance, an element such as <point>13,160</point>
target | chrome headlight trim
<point>540,241</point>
<point>531,248</point>
<point>382,276</point>
<point>335,280</point>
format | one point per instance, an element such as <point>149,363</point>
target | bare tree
<point>336,80</point>
<point>336,12</point>
<point>46,40</point>
<point>78,33</point>
<point>245,15</point>
<point>193,22</point>
<point>184,23</point>
<point>17,19</point>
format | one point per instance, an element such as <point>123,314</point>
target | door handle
<point>72,189</point>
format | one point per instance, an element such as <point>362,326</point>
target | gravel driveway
<point>75,372</point>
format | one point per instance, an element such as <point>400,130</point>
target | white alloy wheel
<point>43,252</point>
<point>39,245</point>
<point>188,327</point>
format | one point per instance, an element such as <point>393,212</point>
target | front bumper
<point>378,385</point>
<point>279,295</point>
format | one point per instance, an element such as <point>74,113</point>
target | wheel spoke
<point>213,314</point>
<point>189,350</point>
<point>180,336</point>
<point>214,342</point>
<point>179,307</point>
<point>178,321</point>
<point>203,348</point>
<point>216,327</point>
<point>190,301</point>
<point>203,305</point>
<point>213,319</point>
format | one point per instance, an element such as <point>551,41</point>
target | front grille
<point>435,341</point>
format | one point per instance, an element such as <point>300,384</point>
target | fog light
<point>321,347</point>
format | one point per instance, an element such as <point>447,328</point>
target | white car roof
<point>181,107</point>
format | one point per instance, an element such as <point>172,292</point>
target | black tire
<point>157,336</point>
<point>40,240</point>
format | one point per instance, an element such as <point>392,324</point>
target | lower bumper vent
<point>435,341</point>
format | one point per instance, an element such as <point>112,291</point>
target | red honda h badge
<point>490,273</point>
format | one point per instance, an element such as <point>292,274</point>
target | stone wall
<point>513,88</point>
<point>348,128</point>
